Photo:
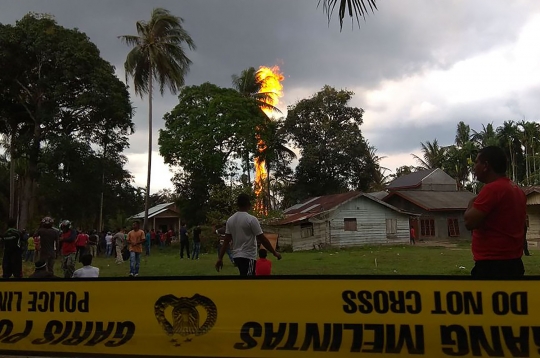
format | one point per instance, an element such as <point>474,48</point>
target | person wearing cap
<point>41,270</point>
<point>47,242</point>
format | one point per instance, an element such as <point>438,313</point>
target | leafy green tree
<point>508,137</point>
<point>433,155</point>
<point>334,155</point>
<point>202,135</point>
<point>57,84</point>
<point>158,56</point>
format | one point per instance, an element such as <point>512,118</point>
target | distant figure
<point>196,243</point>
<point>41,270</point>
<point>525,243</point>
<point>135,241</point>
<point>30,249</point>
<point>93,240</point>
<point>147,243</point>
<point>412,236</point>
<point>220,232</point>
<point>12,261</point>
<point>108,244</point>
<point>263,266</point>
<point>497,217</point>
<point>69,248</point>
<point>87,271</point>
<point>48,241</point>
<point>244,231</point>
<point>184,241</point>
<point>37,245</point>
<point>120,243</point>
<point>81,243</point>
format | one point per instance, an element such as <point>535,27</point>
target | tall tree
<point>486,137</point>
<point>157,56</point>
<point>63,86</point>
<point>202,135</point>
<point>508,137</point>
<point>334,155</point>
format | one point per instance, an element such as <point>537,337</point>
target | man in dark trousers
<point>497,217</point>
<point>12,261</point>
<point>48,240</point>
<point>184,241</point>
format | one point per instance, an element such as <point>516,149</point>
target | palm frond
<point>355,8</point>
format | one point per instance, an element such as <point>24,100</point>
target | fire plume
<point>271,88</point>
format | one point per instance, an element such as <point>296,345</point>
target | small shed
<point>341,220</point>
<point>162,217</point>
<point>533,214</point>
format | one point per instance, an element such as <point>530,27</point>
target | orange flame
<point>270,80</point>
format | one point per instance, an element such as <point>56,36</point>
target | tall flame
<point>270,80</point>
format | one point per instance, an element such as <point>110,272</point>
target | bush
<point>286,248</point>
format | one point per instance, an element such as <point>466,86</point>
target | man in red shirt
<point>263,267</point>
<point>68,239</point>
<point>412,236</point>
<point>497,218</point>
<point>81,242</point>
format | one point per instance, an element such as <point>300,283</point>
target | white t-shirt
<point>244,229</point>
<point>86,271</point>
<point>108,239</point>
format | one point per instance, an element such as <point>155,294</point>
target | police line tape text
<point>43,301</point>
<point>451,302</point>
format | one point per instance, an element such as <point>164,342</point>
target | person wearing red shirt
<point>81,242</point>
<point>412,236</point>
<point>68,239</point>
<point>497,218</point>
<point>263,266</point>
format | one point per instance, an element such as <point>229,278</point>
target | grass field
<point>372,260</point>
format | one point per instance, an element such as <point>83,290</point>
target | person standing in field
<point>135,241</point>
<point>196,243</point>
<point>497,217</point>
<point>220,232</point>
<point>412,236</point>
<point>184,241</point>
<point>147,243</point>
<point>245,232</point>
<point>48,242</point>
<point>93,240</point>
<point>108,244</point>
<point>119,242</point>
<point>69,248</point>
<point>37,246</point>
<point>30,249</point>
<point>12,260</point>
<point>82,241</point>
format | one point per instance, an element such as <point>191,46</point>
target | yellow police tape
<point>291,317</point>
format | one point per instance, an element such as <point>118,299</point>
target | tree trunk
<point>248,168</point>
<point>147,196</point>
<point>29,184</point>
<point>12,213</point>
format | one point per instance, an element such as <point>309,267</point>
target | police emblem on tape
<point>186,316</point>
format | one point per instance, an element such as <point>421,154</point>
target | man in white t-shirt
<point>87,270</point>
<point>244,231</point>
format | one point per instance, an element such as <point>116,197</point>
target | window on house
<point>391,226</point>
<point>453,227</point>
<point>427,227</point>
<point>306,230</point>
<point>350,225</point>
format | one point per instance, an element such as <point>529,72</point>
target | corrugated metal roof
<point>324,203</point>
<point>410,180</point>
<point>378,194</point>
<point>153,211</point>
<point>531,189</point>
<point>436,200</point>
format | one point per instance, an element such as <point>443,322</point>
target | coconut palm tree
<point>485,137</point>
<point>508,136</point>
<point>355,8</point>
<point>433,155</point>
<point>158,56</point>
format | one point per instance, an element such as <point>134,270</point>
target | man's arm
<point>225,246</point>
<point>263,240</point>
<point>473,217</point>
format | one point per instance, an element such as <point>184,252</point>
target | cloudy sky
<point>418,67</point>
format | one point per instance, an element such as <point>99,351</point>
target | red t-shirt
<point>501,234</point>
<point>68,247</point>
<point>413,234</point>
<point>263,267</point>
<point>82,240</point>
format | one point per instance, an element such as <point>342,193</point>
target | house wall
<point>533,232</point>
<point>533,199</point>
<point>439,181</point>
<point>371,224</point>
<point>440,219</point>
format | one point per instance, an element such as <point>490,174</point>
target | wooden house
<point>433,195</point>
<point>533,215</point>
<point>162,217</point>
<point>341,220</point>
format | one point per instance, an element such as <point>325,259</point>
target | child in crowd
<point>30,250</point>
<point>263,267</point>
<point>87,270</point>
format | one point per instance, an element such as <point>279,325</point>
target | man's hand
<point>277,255</point>
<point>219,265</point>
